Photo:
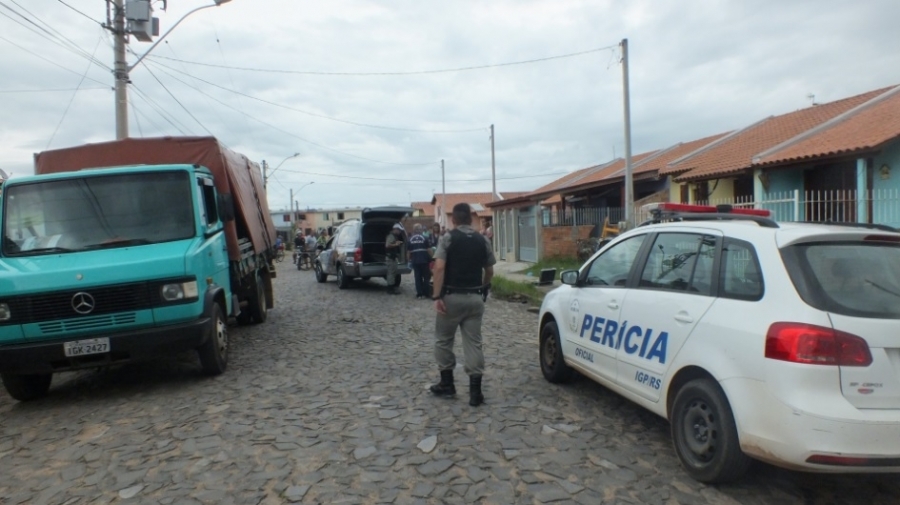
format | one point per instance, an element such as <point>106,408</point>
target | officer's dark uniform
<point>467,253</point>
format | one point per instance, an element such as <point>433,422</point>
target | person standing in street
<point>464,266</point>
<point>392,246</point>
<point>418,253</point>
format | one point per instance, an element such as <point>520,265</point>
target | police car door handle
<point>683,317</point>
<point>613,305</point>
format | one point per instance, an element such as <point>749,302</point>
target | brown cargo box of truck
<point>234,174</point>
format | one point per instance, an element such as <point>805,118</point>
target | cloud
<point>696,69</point>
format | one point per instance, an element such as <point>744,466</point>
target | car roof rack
<point>668,212</point>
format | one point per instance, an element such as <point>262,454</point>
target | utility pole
<point>138,21</point>
<point>493,169</point>
<point>629,176</point>
<point>120,69</point>
<point>443,195</point>
<point>265,168</point>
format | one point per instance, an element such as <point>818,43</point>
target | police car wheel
<point>553,365</point>
<point>705,435</point>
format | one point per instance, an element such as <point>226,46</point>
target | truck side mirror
<point>226,207</point>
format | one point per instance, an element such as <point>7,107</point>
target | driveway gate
<point>527,235</point>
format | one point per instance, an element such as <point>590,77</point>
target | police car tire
<point>705,435</point>
<point>553,365</point>
<point>321,276</point>
<point>342,281</point>
<point>214,352</point>
<point>27,387</point>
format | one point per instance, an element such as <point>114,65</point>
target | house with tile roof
<point>831,161</point>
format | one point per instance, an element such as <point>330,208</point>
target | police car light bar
<point>709,209</point>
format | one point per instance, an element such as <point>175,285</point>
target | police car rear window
<point>860,279</point>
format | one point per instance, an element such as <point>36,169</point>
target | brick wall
<point>560,240</point>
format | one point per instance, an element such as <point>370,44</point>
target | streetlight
<point>295,202</point>
<point>265,168</point>
<point>122,69</point>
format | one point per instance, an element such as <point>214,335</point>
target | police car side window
<point>613,266</point>
<point>740,274</point>
<point>680,262</point>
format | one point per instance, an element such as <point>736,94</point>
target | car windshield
<point>97,212</point>
<point>860,279</point>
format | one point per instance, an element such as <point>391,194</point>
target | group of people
<point>309,242</point>
<point>461,261</point>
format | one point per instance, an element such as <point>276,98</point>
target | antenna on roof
<point>812,98</point>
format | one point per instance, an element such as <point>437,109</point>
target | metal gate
<point>527,235</point>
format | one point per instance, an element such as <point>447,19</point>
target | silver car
<point>357,248</point>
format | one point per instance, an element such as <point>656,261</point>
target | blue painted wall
<point>782,183</point>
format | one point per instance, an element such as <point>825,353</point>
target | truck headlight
<point>176,291</point>
<point>5,314</point>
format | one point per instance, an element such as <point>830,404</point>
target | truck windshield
<point>97,212</point>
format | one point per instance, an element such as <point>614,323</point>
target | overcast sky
<point>273,77</point>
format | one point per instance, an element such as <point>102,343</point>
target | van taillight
<point>357,255</point>
<point>816,345</point>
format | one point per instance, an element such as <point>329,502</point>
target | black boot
<point>475,396</point>
<point>445,387</point>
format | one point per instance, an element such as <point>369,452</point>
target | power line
<point>159,110</point>
<point>420,180</point>
<point>52,35</point>
<point>179,102</point>
<point>414,72</point>
<point>78,11</point>
<point>313,114</point>
<point>302,138</point>
<point>72,98</point>
<point>50,61</point>
<point>48,90</point>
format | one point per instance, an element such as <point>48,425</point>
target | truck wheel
<point>321,276</point>
<point>396,280</point>
<point>214,352</point>
<point>705,435</point>
<point>342,281</point>
<point>257,302</point>
<point>27,387</point>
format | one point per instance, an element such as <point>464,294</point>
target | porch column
<point>759,192</point>
<point>862,186</point>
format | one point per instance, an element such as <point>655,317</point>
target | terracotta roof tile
<point>735,153</point>
<point>865,128</point>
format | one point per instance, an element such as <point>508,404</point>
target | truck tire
<point>27,387</point>
<point>214,352</point>
<point>396,280</point>
<point>257,302</point>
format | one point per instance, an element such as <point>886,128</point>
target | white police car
<point>755,339</point>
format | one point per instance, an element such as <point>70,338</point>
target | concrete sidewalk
<point>514,271</point>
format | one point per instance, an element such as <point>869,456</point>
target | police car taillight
<point>709,209</point>
<point>816,345</point>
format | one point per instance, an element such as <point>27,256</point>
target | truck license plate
<point>83,347</point>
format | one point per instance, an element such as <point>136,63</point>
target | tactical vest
<point>466,258</point>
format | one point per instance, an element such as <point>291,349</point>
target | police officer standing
<point>392,245</point>
<point>463,270</point>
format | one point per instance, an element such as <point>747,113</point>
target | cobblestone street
<point>327,402</point>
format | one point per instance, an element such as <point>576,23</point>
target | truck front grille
<point>60,307</point>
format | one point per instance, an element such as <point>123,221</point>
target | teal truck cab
<point>128,250</point>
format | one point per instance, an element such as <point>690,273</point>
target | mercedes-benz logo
<point>83,303</point>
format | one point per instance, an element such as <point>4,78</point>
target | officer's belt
<point>463,291</point>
